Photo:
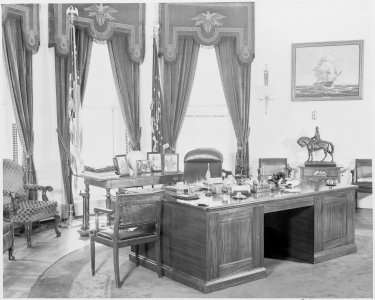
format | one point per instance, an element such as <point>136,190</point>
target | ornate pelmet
<point>207,23</point>
<point>29,14</point>
<point>102,21</point>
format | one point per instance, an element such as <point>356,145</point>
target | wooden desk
<point>110,181</point>
<point>223,244</point>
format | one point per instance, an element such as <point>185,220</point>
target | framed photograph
<point>170,162</point>
<point>327,71</point>
<point>120,163</point>
<point>156,161</point>
<point>143,166</point>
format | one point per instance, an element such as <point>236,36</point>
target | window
<point>207,122</point>
<point>103,128</point>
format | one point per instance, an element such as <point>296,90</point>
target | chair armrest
<point>14,197</point>
<point>98,210</point>
<point>37,187</point>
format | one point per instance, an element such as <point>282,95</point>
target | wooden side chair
<point>137,219</point>
<point>270,166</point>
<point>362,177</point>
<point>17,205</point>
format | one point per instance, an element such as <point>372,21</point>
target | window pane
<point>207,122</point>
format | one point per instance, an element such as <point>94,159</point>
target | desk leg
<point>108,205</point>
<point>85,228</point>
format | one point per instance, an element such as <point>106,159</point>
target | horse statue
<point>312,145</point>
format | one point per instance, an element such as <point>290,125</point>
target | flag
<point>156,136</point>
<point>74,105</point>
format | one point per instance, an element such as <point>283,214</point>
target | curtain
<point>126,76</point>
<point>235,78</point>
<point>178,78</point>
<point>62,71</point>
<point>18,64</point>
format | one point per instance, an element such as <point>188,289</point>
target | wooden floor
<point>20,275</point>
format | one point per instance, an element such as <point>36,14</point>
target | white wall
<point>347,124</point>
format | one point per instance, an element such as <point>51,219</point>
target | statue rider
<point>316,138</point>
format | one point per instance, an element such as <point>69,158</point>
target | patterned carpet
<point>350,276</point>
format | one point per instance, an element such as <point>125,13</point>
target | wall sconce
<point>266,89</point>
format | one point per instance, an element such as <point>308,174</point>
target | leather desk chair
<point>196,163</point>
<point>362,176</point>
<point>270,166</point>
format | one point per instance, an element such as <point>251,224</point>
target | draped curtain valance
<point>207,23</point>
<point>101,21</point>
<point>29,14</point>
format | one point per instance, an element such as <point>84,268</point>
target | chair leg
<point>116,265</point>
<point>57,223</point>
<point>11,257</point>
<point>28,227</point>
<point>158,258</point>
<point>92,247</point>
<point>356,199</point>
<point>136,248</point>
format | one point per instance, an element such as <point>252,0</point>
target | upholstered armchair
<point>17,206</point>
<point>196,163</point>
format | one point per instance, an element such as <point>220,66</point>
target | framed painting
<point>170,163</point>
<point>143,166</point>
<point>120,163</point>
<point>156,164</point>
<point>327,71</point>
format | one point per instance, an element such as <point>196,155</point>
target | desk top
<point>283,199</point>
<point>111,180</point>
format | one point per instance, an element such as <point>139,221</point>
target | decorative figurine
<point>315,144</point>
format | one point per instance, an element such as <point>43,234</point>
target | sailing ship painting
<point>327,71</point>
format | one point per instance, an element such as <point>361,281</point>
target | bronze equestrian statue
<point>315,144</point>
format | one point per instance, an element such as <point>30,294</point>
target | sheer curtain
<point>62,71</point>
<point>236,77</point>
<point>18,64</point>
<point>126,76</point>
<point>178,78</point>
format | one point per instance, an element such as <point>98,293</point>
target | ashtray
<point>239,196</point>
<point>186,197</point>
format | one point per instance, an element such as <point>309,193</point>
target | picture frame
<point>156,159</point>
<point>143,166</point>
<point>121,165</point>
<point>326,71</point>
<point>170,163</point>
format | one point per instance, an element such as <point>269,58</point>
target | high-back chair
<point>196,163</point>
<point>362,176</point>
<point>16,203</point>
<point>139,211</point>
<point>270,166</point>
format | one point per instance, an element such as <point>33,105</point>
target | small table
<point>110,180</point>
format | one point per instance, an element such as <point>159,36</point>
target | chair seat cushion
<point>128,233</point>
<point>34,210</point>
